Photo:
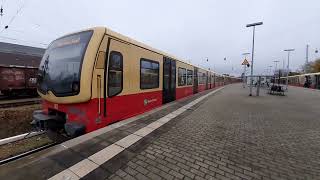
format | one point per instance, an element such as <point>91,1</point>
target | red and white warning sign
<point>245,62</point>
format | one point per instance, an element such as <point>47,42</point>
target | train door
<point>210,83</point>
<point>317,81</point>
<point>169,80</point>
<point>195,81</point>
<point>115,79</point>
<point>206,80</point>
<point>307,83</point>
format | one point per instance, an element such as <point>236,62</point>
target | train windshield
<point>60,67</point>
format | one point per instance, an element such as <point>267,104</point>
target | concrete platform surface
<point>213,135</point>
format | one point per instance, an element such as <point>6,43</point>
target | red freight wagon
<point>16,80</point>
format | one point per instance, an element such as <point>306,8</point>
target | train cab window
<point>182,78</point>
<point>115,73</point>
<point>149,74</point>
<point>189,77</point>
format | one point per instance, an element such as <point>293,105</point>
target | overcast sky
<point>191,30</point>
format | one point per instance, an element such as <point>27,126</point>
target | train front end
<point>65,84</point>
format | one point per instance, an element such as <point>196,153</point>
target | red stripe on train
<point>184,92</point>
<point>118,108</point>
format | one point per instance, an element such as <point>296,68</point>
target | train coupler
<point>42,121</point>
<point>74,129</point>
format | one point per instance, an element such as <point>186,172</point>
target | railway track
<point>24,145</point>
<point>15,157</point>
<point>19,102</point>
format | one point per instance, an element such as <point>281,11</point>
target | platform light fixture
<point>288,50</point>
<point>254,28</point>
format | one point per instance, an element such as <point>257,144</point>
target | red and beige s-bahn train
<point>95,77</point>
<point>310,80</point>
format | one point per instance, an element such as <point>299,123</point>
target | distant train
<point>95,77</point>
<point>18,80</point>
<point>311,80</point>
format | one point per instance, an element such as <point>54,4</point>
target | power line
<point>14,16</point>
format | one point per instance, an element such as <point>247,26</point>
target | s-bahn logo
<point>148,101</point>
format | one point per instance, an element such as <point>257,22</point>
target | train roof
<point>21,49</point>
<point>132,41</point>
<point>137,43</point>
<point>11,59</point>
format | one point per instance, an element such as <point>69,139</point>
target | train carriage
<point>311,80</point>
<point>212,80</point>
<point>202,80</point>
<point>219,80</point>
<point>184,85</point>
<point>96,77</point>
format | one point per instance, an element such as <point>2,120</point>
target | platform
<point>217,134</point>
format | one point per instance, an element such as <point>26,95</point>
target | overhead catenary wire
<point>1,13</point>
<point>24,3</point>
<point>14,16</point>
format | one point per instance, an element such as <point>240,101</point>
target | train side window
<point>204,78</point>
<point>115,73</point>
<point>182,76</point>
<point>149,74</point>
<point>189,77</point>
<point>199,78</point>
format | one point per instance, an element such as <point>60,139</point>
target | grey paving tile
<point>42,169</point>
<point>90,147</point>
<point>66,158</point>
<point>118,161</point>
<point>97,174</point>
<point>113,136</point>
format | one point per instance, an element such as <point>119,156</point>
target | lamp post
<point>269,73</point>
<point>276,65</point>
<point>270,68</point>
<point>288,50</point>
<point>254,28</point>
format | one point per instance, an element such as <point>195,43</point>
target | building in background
<point>19,55</point>
<point>18,69</point>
